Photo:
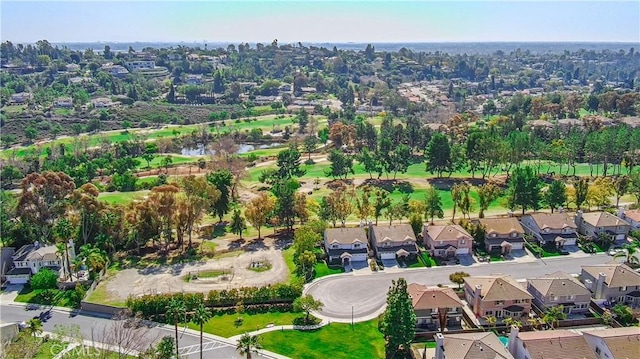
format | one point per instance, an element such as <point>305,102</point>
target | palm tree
<point>512,322</point>
<point>491,320</point>
<point>554,314</point>
<point>201,315</point>
<point>629,255</point>
<point>62,252</point>
<point>248,344</point>
<point>34,326</point>
<point>176,310</point>
<point>95,257</point>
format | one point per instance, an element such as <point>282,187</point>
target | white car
<point>615,251</point>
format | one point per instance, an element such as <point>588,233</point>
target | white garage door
<point>517,246</point>
<point>620,236</point>
<point>570,242</point>
<point>359,257</point>
<point>387,255</point>
<point>462,251</point>
<point>18,279</point>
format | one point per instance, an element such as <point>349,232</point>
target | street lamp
<point>352,318</point>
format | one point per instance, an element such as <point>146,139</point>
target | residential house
<point>548,344</point>
<point>430,303</point>
<point>308,90</point>
<point>612,282</point>
<point>194,79</point>
<point>595,224</point>
<point>138,65</point>
<point>470,346</point>
<point>391,242</point>
<point>29,259</point>
<point>614,343</point>
<point>64,102</point>
<point>346,245</point>
<point>559,288</point>
<point>103,102</point>
<point>446,241</point>
<point>502,234</point>
<point>558,228</point>
<point>632,216</point>
<point>497,295</point>
<point>115,70</point>
<point>20,97</point>
<point>72,67</point>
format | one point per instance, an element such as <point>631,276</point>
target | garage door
<point>517,246</point>
<point>570,242</point>
<point>18,279</point>
<point>462,251</point>
<point>359,257</point>
<point>387,255</point>
<point>620,236</point>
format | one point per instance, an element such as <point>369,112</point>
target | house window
<point>598,351</point>
<point>514,234</point>
<point>494,235</point>
<point>440,242</point>
<point>622,289</point>
<point>357,245</point>
<point>499,302</point>
<point>571,297</point>
<point>516,301</point>
<point>488,312</point>
<point>555,298</point>
<point>462,241</point>
<point>547,230</point>
<point>335,246</point>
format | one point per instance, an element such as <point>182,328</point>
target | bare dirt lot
<point>171,278</point>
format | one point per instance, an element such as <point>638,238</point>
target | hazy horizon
<point>321,21</point>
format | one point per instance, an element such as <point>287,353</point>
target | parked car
<point>615,251</point>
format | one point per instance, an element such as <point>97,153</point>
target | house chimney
<point>621,212</point>
<point>36,244</point>
<point>476,299</point>
<point>578,220</point>
<point>439,346</point>
<point>513,336</point>
<point>599,294</point>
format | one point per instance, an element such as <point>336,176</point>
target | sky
<point>320,21</point>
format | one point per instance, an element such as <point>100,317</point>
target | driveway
<point>367,293</point>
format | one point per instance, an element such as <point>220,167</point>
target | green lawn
<point>335,341</point>
<point>224,325</point>
<point>122,197</point>
<point>322,269</point>
<point>61,298</point>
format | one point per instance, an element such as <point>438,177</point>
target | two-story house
<point>502,234</point>
<point>500,296</point>
<point>614,343</point>
<point>393,241</point>
<point>559,288</point>
<point>447,241</point>
<point>433,303</point>
<point>551,228</point>
<point>138,65</point>
<point>612,282</point>
<point>346,245</point>
<point>64,102</point>
<point>29,259</point>
<point>633,217</point>
<point>595,224</point>
<point>483,345</point>
<point>548,344</point>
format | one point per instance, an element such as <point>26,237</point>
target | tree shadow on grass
<point>404,187</point>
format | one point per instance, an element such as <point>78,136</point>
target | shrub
<point>44,279</point>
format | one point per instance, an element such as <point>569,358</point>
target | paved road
<point>94,327</point>
<point>365,294</point>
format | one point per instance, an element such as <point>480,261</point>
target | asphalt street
<point>94,327</point>
<point>362,296</point>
